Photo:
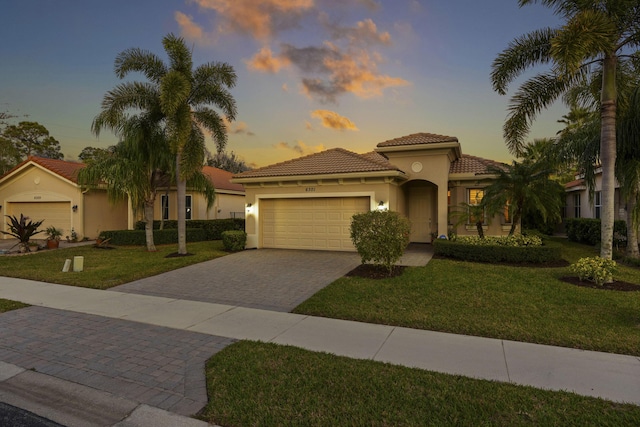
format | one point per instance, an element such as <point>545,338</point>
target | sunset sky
<point>312,74</point>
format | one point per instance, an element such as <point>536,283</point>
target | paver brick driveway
<point>269,279</point>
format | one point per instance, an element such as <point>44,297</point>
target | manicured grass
<point>515,303</point>
<point>104,268</point>
<point>8,305</point>
<point>252,383</point>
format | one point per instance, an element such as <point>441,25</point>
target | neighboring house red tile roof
<point>69,170</point>
<point>471,164</point>
<point>417,139</point>
<point>576,183</point>
<point>221,179</point>
<point>333,161</point>
<point>65,169</point>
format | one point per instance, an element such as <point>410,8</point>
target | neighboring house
<point>229,202</point>
<point>48,189</point>
<point>307,203</point>
<point>580,205</point>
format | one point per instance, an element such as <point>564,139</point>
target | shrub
<point>494,253</point>
<point>234,240</point>
<point>587,230</point>
<point>22,230</point>
<point>516,240</point>
<point>380,236</point>
<point>213,227</point>
<point>595,269</point>
<point>160,237</point>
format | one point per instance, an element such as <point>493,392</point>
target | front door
<point>420,213</point>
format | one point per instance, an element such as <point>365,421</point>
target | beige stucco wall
<point>377,189</point>
<point>224,203</point>
<point>429,165</point>
<point>102,215</point>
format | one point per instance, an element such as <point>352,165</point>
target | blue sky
<point>312,74</point>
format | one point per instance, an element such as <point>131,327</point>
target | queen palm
<point>180,98</point>
<point>595,33</point>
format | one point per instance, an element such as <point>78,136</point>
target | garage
<point>57,214</point>
<point>310,223</point>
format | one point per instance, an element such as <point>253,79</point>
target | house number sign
<point>310,189</point>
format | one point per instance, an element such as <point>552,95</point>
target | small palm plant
<point>22,230</point>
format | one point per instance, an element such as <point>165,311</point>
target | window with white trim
<point>576,205</point>
<point>164,203</point>
<point>475,196</point>
<point>187,206</point>
<point>597,205</point>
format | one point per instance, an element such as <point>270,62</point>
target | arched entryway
<point>422,209</point>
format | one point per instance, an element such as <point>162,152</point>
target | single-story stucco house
<point>308,202</point>
<point>579,205</point>
<point>48,189</point>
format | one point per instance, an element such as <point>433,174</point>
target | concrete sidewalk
<point>605,375</point>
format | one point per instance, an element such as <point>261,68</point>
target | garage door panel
<point>314,223</point>
<point>56,214</point>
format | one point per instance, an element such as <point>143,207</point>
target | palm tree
<point>524,186</point>
<point>595,33</point>
<point>180,98</point>
<point>135,168</point>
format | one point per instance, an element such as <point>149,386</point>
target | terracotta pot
<point>53,244</point>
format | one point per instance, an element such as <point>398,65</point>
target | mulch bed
<point>370,271</point>
<point>177,255</point>
<point>615,286</point>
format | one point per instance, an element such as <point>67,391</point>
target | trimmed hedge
<point>234,240</point>
<point>587,230</point>
<point>497,253</point>
<point>212,227</point>
<point>160,237</point>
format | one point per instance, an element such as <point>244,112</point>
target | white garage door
<point>317,223</point>
<point>57,214</point>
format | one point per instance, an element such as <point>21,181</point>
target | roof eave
<point>371,174</point>
<point>455,145</point>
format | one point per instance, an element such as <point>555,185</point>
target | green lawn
<point>254,383</point>
<point>104,268</point>
<point>515,303</point>
<point>8,305</point>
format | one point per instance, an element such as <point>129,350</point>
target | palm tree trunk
<point>148,223</point>
<point>608,154</point>
<point>480,229</point>
<point>632,230</point>
<point>514,223</point>
<point>181,190</point>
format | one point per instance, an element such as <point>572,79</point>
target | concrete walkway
<point>610,376</point>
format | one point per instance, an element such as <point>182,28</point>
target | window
<point>576,205</point>
<point>187,206</point>
<point>597,205</point>
<point>164,202</point>
<point>475,197</point>
<point>507,213</point>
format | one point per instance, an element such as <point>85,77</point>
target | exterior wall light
<point>75,208</point>
<point>381,206</point>
<point>249,208</point>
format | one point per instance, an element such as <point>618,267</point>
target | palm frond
<point>140,60</point>
<point>180,58</point>
<point>522,53</point>
<point>210,120</point>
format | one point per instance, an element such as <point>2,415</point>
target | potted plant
<point>22,230</point>
<point>53,237</point>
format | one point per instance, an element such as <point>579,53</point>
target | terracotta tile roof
<point>333,161</point>
<point>65,169</point>
<point>417,139</point>
<point>221,179</point>
<point>471,164</point>
<point>576,183</point>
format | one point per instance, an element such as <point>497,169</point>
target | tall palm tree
<point>181,99</point>
<point>524,186</point>
<point>596,33</point>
